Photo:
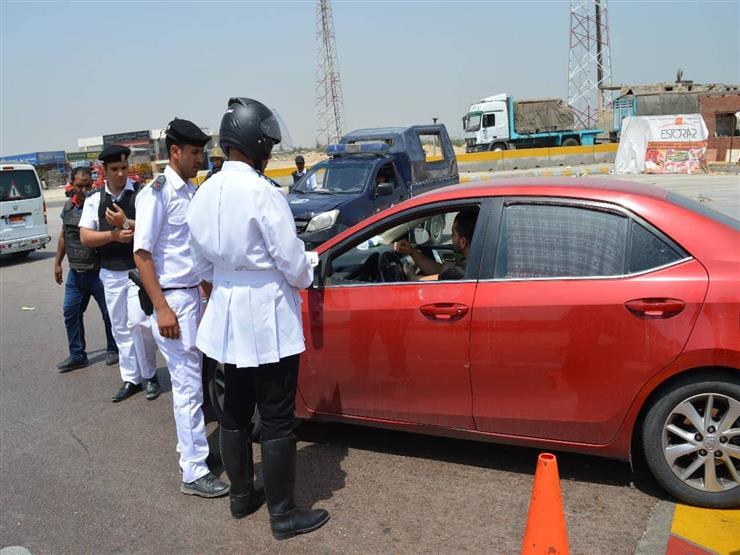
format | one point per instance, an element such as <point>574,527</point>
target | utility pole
<point>329,101</point>
<point>589,61</point>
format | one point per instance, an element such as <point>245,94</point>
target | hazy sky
<point>80,69</point>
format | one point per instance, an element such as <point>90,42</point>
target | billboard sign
<point>127,139</point>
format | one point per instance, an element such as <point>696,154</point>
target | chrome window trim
<point>417,283</point>
<point>580,278</point>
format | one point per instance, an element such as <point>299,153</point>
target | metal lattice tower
<point>589,63</point>
<point>329,102</point>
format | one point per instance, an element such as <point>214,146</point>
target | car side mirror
<point>384,189</point>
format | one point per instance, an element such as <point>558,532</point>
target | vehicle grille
<point>470,141</point>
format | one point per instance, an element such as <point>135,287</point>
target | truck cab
<point>368,171</point>
<point>486,124</point>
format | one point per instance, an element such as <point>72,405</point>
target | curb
<point>569,171</point>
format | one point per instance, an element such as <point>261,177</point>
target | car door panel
<point>563,359</point>
<point>375,354</point>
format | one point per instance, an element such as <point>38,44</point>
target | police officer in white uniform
<point>244,240</point>
<point>162,255</point>
<point>107,224</point>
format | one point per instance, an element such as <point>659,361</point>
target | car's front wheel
<point>691,439</point>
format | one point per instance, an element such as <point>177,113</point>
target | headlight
<point>323,221</point>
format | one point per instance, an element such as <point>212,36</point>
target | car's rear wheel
<point>691,439</point>
<point>217,392</point>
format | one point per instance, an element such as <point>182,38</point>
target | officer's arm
<point>286,249</point>
<point>92,239</point>
<point>148,275</point>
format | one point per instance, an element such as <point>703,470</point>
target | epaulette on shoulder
<point>158,183</point>
<point>270,180</point>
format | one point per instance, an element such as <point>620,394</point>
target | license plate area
<point>17,219</point>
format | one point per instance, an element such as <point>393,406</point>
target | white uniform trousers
<point>184,363</point>
<point>131,328</point>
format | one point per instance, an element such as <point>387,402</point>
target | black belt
<point>176,288</point>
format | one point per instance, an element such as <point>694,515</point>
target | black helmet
<point>250,127</point>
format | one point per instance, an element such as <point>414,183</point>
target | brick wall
<point>712,104</point>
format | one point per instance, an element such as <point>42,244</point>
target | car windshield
<point>471,122</point>
<point>19,185</point>
<point>704,210</point>
<point>328,178</point>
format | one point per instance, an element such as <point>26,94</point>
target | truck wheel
<point>691,439</point>
<point>571,142</point>
<point>216,391</point>
<point>498,147</point>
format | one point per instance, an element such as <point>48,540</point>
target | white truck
<point>500,123</point>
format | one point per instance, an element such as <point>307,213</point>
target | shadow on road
<point>507,458</point>
<point>8,260</point>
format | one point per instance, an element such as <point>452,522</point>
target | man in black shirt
<point>462,236</point>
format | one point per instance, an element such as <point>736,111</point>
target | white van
<point>23,226</point>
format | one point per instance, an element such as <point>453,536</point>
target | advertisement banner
<point>83,156</point>
<point>662,144</point>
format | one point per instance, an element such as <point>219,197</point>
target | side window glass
<point>549,241</point>
<point>489,120</point>
<point>431,247</point>
<point>649,251</point>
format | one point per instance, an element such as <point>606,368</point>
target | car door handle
<point>654,309</point>
<point>444,311</point>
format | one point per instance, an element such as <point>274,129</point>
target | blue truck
<point>368,171</point>
<point>501,123</point>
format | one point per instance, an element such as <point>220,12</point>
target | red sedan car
<point>571,314</point>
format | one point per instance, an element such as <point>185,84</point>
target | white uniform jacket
<point>244,240</point>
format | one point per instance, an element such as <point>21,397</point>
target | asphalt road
<point>79,474</point>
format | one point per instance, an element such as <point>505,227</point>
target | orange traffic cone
<point>546,532</point>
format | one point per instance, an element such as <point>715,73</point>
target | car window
<point>334,178</point>
<point>18,185</point>
<point>647,250</point>
<point>431,235</point>
<point>549,241</point>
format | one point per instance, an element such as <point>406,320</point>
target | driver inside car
<point>431,270</point>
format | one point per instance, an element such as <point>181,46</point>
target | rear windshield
<point>704,210</point>
<point>18,185</point>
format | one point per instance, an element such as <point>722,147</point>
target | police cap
<point>182,131</point>
<point>115,153</point>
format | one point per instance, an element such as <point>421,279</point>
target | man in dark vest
<point>107,224</point>
<point>83,280</point>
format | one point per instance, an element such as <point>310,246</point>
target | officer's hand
<point>115,216</point>
<point>167,322</point>
<point>403,247</point>
<point>58,273</point>
<point>122,235</point>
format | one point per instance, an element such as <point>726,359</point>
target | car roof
<point>577,187</point>
<point>13,166</point>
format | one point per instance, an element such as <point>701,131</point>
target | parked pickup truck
<point>368,171</point>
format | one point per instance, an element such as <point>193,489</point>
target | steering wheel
<point>390,267</point>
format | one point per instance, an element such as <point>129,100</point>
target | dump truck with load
<point>501,123</point>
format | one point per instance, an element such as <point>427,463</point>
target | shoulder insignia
<point>270,180</point>
<point>159,182</point>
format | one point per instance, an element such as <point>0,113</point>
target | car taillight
<point>46,221</point>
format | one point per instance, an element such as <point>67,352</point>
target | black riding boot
<point>236,452</point>
<point>278,469</point>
